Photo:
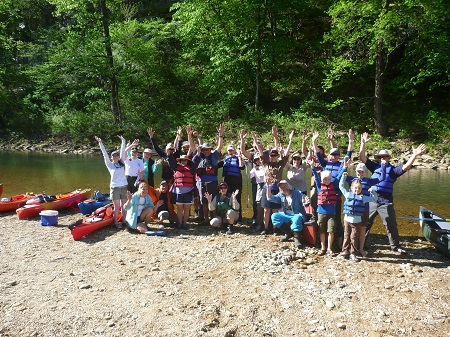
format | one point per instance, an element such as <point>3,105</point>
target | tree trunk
<point>114,84</point>
<point>258,61</point>
<point>378,101</point>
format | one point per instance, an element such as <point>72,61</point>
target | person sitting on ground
<point>354,209</point>
<point>139,209</point>
<point>273,167</point>
<point>166,210</point>
<point>385,189</point>
<point>292,215</point>
<point>225,205</point>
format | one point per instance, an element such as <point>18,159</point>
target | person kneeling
<point>225,204</point>
<point>139,208</point>
<point>292,215</point>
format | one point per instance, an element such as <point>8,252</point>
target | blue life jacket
<point>334,168</point>
<point>231,167</point>
<point>207,165</point>
<point>386,186</point>
<point>354,205</point>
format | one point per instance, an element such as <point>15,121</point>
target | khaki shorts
<point>118,193</point>
<point>325,223</point>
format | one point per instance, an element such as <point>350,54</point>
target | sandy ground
<point>199,282</point>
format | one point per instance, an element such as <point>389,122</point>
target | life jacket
<point>207,165</point>
<point>183,177</point>
<point>223,206</point>
<point>354,205</point>
<point>231,167</point>
<point>334,168</point>
<point>327,195</point>
<point>387,185</point>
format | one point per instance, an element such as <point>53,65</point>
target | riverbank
<point>199,282</point>
<point>400,150</point>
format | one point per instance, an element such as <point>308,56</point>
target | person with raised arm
<point>354,210</point>
<point>133,166</point>
<point>207,171</point>
<point>273,168</point>
<point>118,184</point>
<point>334,165</point>
<point>385,189</point>
<point>225,205</point>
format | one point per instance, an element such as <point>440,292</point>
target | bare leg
<point>186,209</point>
<point>330,242</point>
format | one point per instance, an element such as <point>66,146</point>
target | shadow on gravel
<point>419,253</point>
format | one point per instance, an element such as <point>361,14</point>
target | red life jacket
<point>183,177</point>
<point>327,195</point>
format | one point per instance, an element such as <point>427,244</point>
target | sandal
<point>322,252</point>
<point>330,253</point>
<point>363,253</point>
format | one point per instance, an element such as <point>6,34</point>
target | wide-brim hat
<point>183,157</point>
<point>382,153</point>
<point>115,152</point>
<point>206,146</point>
<point>274,151</point>
<point>296,155</point>
<point>170,146</point>
<point>185,143</point>
<point>147,150</point>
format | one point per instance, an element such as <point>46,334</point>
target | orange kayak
<point>66,200</point>
<point>14,202</point>
<point>102,217</point>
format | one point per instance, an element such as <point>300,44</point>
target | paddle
<point>423,219</point>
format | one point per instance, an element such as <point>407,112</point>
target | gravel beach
<point>200,282</point>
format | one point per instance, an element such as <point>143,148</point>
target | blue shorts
<point>184,198</point>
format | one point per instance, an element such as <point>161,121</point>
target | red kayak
<point>1,189</point>
<point>70,199</point>
<point>101,217</point>
<point>13,203</point>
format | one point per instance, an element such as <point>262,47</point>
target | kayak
<point>309,227</point>
<point>1,189</point>
<point>102,217</point>
<point>13,203</point>
<point>436,229</point>
<point>90,205</point>
<point>65,200</point>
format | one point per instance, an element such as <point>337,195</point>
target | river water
<point>39,172</point>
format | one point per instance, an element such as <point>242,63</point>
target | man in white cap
<point>385,203</point>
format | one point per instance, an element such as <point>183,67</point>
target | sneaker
<point>119,225</point>
<point>266,232</point>
<point>344,255</point>
<point>353,258</point>
<point>229,231</point>
<point>286,238</point>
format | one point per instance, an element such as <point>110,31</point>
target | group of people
<point>190,176</point>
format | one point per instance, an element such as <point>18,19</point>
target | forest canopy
<point>76,68</point>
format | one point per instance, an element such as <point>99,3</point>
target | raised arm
<point>158,150</point>
<point>190,140</point>
<point>362,149</point>
<point>330,137</point>
<point>416,153</point>
<point>291,137</point>
<point>258,145</point>
<point>276,140</point>
<point>247,154</point>
<point>304,147</point>
<point>220,131</point>
<point>351,139</point>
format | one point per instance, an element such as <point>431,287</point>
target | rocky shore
<point>200,282</point>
